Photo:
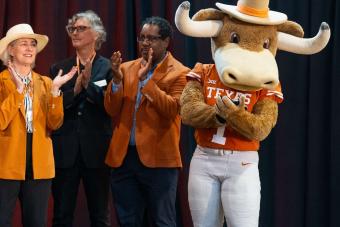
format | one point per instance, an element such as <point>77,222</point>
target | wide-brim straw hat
<point>21,31</point>
<point>253,11</point>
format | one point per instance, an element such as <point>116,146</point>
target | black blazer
<point>87,128</point>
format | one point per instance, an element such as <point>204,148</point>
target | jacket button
<point>80,113</point>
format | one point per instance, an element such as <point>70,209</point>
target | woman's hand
<point>116,60</point>
<point>15,78</point>
<point>60,79</point>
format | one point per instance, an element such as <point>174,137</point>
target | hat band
<point>252,11</point>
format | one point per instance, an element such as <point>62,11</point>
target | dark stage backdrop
<point>299,161</point>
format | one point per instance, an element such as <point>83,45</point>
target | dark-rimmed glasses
<point>78,29</point>
<point>148,38</point>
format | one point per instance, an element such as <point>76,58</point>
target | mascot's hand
<point>225,106</point>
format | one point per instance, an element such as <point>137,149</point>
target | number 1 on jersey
<point>219,136</point>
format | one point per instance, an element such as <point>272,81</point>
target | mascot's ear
<point>208,14</point>
<point>292,28</point>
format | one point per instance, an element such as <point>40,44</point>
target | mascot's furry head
<point>245,38</point>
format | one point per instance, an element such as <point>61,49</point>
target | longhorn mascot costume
<point>233,104</point>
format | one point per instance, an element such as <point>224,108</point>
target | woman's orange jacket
<point>47,115</point>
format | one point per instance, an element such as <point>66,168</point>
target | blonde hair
<point>6,57</point>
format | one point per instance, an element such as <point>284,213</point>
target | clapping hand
<point>60,79</point>
<point>145,66</point>
<point>86,73</point>
<point>116,60</point>
<point>15,78</point>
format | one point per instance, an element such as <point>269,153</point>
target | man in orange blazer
<point>143,100</point>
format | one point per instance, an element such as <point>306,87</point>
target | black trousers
<point>33,196</point>
<point>136,188</point>
<point>65,186</point>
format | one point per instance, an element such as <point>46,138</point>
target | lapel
<point>163,68</point>
<point>11,88</point>
<point>38,85</point>
<point>22,109</point>
<point>161,71</point>
<point>95,67</point>
<point>133,81</point>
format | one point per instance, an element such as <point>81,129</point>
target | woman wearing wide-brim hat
<point>30,107</point>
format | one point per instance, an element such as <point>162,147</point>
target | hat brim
<point>42,40</point>
<point>273,18</point>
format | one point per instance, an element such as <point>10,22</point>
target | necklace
<point>26,79</point>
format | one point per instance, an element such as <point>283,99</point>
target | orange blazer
<point>47,115</point>
<point>157,117</point>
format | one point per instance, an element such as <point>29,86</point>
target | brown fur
<point>252,36</point>
<point>290,27</point>
<point>194,111</point>
<point>258,124</point>
<point>255,126</point>
<point>210,14</point>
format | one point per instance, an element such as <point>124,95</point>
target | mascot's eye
<point>266,44</point>
<point>234,37</point>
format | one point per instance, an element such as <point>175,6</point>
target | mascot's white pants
<point>224,183</point>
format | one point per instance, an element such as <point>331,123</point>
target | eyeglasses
<point>148,38</point>
<point>78,29</point>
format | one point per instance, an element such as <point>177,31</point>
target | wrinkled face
<point>244,55</point>
<point>23,51</point>
<point>82,35</point>
<point>149,37</point>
